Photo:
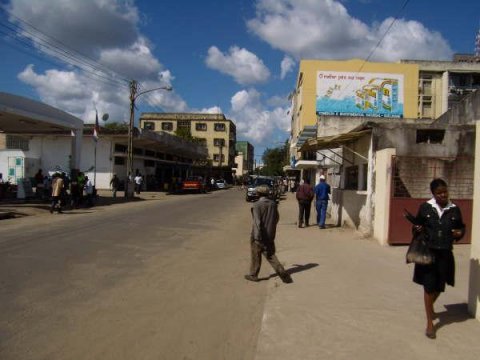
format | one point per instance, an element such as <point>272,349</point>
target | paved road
<point>146,280</point>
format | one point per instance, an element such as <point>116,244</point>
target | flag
<point>95,128</point>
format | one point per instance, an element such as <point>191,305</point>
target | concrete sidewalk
<point>354,299</point>
<point>12,208</point>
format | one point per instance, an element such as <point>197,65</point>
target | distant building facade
<point>216,132</point>
<point>247,150</point>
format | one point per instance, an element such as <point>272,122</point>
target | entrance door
<point>411,177</point>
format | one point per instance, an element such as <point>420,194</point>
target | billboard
<point>359,94</point>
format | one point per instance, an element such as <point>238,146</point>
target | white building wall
<point>474,286</point>
<point>54,153</point>
<point>383,183</point>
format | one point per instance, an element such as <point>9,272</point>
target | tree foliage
<point>274,160</point>
<point>116,126</point>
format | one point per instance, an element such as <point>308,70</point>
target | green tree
<point>116,126</point>
<point>274,160</point>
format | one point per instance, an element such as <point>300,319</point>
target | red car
<point>194,184</point>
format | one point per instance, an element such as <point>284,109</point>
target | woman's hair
<point>437,183</point>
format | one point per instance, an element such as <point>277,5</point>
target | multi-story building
<point>343,93</point>
<point>442,84</point>
<point>355,121</point>
<point>215,131</point>
<point>247,151</point>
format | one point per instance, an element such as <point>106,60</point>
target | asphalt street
<point>143,280</point>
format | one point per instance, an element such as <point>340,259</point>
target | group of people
<point>438,219</point>
<point>62,190</point>
<point>305,195</point>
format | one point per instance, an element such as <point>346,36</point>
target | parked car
<point>194,184</point>
<point>251,193</point>
<point>220,184</point>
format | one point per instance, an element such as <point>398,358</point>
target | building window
<point>201,126</point>
<point>119,160</point>
<point>149,163</point>
<point>120,148</point>
<point>216,157</point>
<point>17,143</point>
<point>167,126</point>
<point>219,127</point>
<point>202,141</point>
<point>430,136</point>
<point>351,178</point>
<point>149,125</point>
<point>150,153</point>
<point>218,142</point>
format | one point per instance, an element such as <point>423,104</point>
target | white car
<point>220,184</point>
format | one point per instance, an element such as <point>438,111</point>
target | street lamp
<point>134,94</point>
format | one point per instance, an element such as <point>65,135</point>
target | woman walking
<point>442,223</point>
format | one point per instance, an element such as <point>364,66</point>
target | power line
<point>63,47</point>
<point>385,34</point>
<point>50,46</point>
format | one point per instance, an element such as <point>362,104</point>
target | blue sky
<point>239,57</point>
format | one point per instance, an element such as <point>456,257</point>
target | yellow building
<point>351,88</point>
<point>214,130</point>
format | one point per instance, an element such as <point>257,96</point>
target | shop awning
<point>332,141</point>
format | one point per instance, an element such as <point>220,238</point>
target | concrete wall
<point>347,207</point>
<point>383,182</point>
<point>474,286</point>
<point>54,152</point>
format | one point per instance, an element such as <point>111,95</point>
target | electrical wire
<point>62,46</point>
<point>38,41</point>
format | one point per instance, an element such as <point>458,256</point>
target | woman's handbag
<point>418,251</point>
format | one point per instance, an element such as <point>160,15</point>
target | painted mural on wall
<point>359,94</point>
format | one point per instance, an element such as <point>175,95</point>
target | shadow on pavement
<point>297,268</point>
<point>455,313</point>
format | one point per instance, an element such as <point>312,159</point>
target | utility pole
<point>129,178</point>
<point>134,94</point>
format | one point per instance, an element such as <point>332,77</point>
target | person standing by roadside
<point>138,183</point>
<point>89,191</point>
<point>39,184</point>
<point>57,189</point>
<point>304,196</point>
<point>322,192</point>
<point>442,222</point>
<point>262,239</point>
<point>81,179</point>
<point>114,185</point>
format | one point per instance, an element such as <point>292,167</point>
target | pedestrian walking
<point>262,240</point>
<point>114,183</point>
<point>322,195</point>
<point>304,197</point>
<point>441,220</point>
<point>57,190</point>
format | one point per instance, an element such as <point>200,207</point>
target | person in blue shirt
<point>322,191</point>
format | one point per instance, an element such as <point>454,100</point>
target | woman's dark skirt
<point>434,277</point>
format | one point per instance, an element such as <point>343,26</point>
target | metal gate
<point>411,177</point>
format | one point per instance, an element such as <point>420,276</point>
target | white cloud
<point>244,66</point>
<point>211,110</point>
<point>88,25</point>
<point>255,121</point>
<point>325,30</point>
<point>105,31</point>
<point>286,66</point>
